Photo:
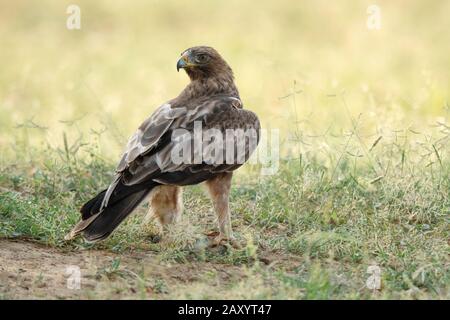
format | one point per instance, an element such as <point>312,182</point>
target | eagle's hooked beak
<point>184,62</point>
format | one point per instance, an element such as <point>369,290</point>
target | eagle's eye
<point>201,58</point>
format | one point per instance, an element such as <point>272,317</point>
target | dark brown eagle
<point>151,166</point>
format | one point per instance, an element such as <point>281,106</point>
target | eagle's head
<point>204,62</point>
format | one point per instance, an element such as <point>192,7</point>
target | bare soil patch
<point>33,271</point>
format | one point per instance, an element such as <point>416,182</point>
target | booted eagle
<point>202,135</point>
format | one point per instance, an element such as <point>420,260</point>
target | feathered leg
<point>165,204</point>
<point>219,190</point>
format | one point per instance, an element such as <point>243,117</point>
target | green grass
<point>326,221</point>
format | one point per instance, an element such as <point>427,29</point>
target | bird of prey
<point>151,167</point>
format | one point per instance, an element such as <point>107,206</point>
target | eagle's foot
<point>221,239</point>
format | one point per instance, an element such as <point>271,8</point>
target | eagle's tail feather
<point>112,216</point>
<point>92,206</point>
<point>97,225</point>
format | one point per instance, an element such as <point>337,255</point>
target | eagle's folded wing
<point>149,156</point>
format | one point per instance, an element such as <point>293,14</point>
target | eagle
<point>201,136</point>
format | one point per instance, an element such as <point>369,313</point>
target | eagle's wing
<point>149,133</point>
<point>149,155</point>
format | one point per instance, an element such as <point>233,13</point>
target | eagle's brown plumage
<point>146,167</point>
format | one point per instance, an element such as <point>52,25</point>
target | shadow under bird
<point>147,168</point>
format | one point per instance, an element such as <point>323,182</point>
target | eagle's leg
<point>219,190</point>
<point>165,204</point>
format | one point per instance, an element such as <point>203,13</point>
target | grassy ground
<point>310,231</point>
<point>364,174</point>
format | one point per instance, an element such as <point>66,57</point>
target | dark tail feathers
<point>108,220</point>
<point>92,206</point>
<point>97,225</point>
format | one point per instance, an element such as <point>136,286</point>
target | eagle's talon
<point>219,240</point>
<point>212,233</point>
<point>222,240</point>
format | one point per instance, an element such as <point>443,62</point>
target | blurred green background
<point>120,66</point>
